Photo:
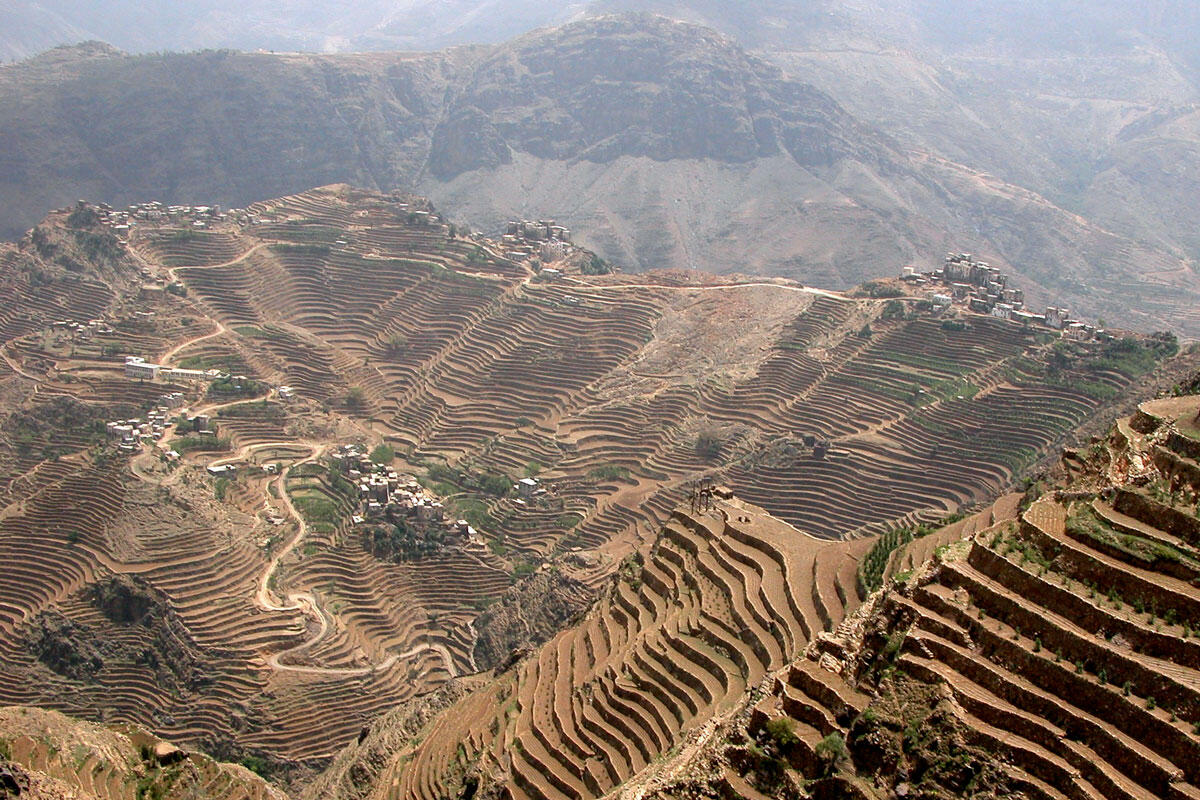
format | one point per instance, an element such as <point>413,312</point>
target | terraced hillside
<point>724,597</point>
<point>1046,650</point>
<point>497,370</point>
<point>253,616</point>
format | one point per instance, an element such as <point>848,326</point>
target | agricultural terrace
<point>337,315</point>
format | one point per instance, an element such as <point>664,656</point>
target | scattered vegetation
<point>230,388</point>
<point>258,765</point>
<point>264,410</point>
<point>100,247</point>
<point>831,752</point>
<point>269,333</point>
<point>403,540</point>
<point>1129,356</point>
<point>596,266</point>
<point>608,472</point>
<point>878,290</point>
<point>59,426</point>
<point>396,345</point>
<point>1085,525</point>
<point>355,398</point>
<point>317,508</point>
<point>83,216</point>
<point>874,563</point>
<point>782,731</point>
<point>448,480</point>
<point>188,444</point>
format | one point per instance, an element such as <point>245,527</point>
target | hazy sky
<point>1034,26</point>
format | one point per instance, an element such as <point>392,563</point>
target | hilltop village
<point>964,283</point>
<point>979,287</point>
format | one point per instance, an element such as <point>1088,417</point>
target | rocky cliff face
<point>645,87</point>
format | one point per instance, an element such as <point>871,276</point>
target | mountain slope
<point>1068,99</point>
<point>661,144</point>
<point>45,755</point>
<point>275,612</point>
<point>1044,648</point>
<point>336,26</point>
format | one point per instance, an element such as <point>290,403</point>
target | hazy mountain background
<point>830,141</point>
<point>141,26</point>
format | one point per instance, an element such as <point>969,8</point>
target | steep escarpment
<point>645,87</point>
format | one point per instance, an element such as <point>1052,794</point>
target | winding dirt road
<point>724,287</point>
<point>170,354</point>
<point>307,603</point>
<point>16,367</point>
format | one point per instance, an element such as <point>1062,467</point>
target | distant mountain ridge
<point>662,144</point>
<point>157,25</point>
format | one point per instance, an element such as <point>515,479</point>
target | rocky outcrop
<point>527,615</point>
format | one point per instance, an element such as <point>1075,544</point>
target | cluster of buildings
<point>985,289</point>
<point>131,433</point>
<point>385,494</point>
<point>524,239</point>
<point>122,220</point>
<point>381,488</point>
<point>139,368</point>
<point>83,331</point>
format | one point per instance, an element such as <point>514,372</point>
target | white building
<point>1057,317</point>
<point>554,251</point>
<point>138,367</point>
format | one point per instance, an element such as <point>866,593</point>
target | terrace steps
<point>461,358</point>
<point>707,615</point>
<point>1032,635</point>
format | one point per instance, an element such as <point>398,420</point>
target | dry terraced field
<point>204,622</point>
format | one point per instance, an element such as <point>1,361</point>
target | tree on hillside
<point>396,344</point>
<point>709,444</point>
<point>356,398</point>
<point>596,266</point>
<point>84,216</point>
